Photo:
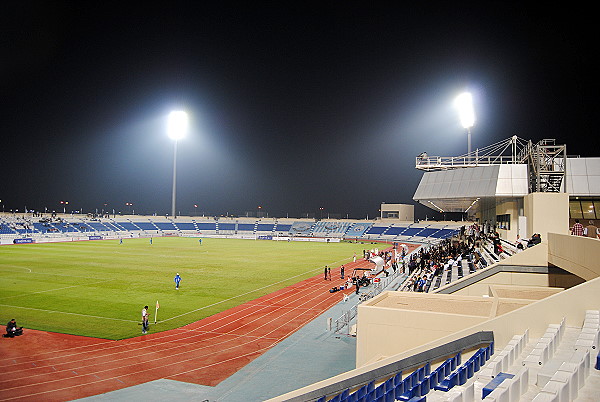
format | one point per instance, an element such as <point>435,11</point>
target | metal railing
<point>346,318</point>
<point>451,162</point>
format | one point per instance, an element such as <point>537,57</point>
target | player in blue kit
<point>177,280</point>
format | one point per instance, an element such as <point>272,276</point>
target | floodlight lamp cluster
<point>178,125</point>
<point>464,104</point>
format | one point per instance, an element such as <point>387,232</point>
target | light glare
<point>178,125</point>
<point>464,104</point>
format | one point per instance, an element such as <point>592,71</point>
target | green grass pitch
<point>98,288</point>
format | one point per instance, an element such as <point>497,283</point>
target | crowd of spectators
<point>430,262</point>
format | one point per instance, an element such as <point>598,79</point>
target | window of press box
<point>503,221</point>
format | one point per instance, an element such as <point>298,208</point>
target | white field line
<point>14,266</point>
<point>178,336</point>
<point>317,293</point>
<point>175,363</point>
<point>247,293</point>
<point>64,312</point>
<point>53,290</point>
<point>163,340</point>
<point>104,344</point>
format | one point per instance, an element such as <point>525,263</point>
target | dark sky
<point>293,107</point>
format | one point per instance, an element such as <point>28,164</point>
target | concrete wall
<point>534,317</point>
<point>405,212</point>
<point>579,255</point>
<point>382,331</point>
<point>547,213</point>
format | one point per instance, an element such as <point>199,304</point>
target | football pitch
<point>98,288</point>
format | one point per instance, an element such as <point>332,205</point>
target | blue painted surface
<point>492,385</point>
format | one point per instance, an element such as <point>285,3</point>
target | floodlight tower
<point>177,129</point>
<point>464,104</point>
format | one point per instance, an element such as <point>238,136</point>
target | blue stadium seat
<point>245,227</point>
<point>406,396</point>
<point>389,384</point>
<point>448,383</point>
<point>380,390</point>
<point>496,381</point>
<point>397,379</point>
<point>362,391</point>
<point>470,368</point>
<point>462,375</point>
<point>420,373</point>
<point>424,385</point>
<point>376,230</point>
<point>476,362</point>
<point>226,226</point>
<point>433,379</point>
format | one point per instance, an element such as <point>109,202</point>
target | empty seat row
<point>566,382</point>
<point>505,358</point>
<point>467,369</point>
<point>546,346</point>
<point>419,383</point>
<point>588,338</point>
<point>507,387</point>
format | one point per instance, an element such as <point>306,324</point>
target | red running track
<point>58,367</point>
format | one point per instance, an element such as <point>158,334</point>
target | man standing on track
<point>325,273</point>
<point>342,272</point>
<point>145,319</point>
<point>177,280</point>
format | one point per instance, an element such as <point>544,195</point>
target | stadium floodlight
<point>178,125</point>
<point>464,104</point>
<point>176,129</point>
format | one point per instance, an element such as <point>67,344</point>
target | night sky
<point>292,107</point>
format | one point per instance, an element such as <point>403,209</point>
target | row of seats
<point>588,338</point>
<point>546,346</point>
<point>559,379</point>
<point>414,387</point>
<point>456,272</point>
<point>298,228</point>
<point>565,383</point>
<point>505,358</point>
<point>507,387</point>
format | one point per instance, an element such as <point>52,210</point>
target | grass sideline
<point>98,288</point>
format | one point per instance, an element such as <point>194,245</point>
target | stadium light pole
<point>177,129</point>
<point>464,104</point>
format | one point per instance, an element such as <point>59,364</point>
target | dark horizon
<point>293,108</point>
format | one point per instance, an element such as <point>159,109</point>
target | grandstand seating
<point>205,226</point>
<point>376,230</point>
<point>283,228</point>
<point>501,376</point>
<point>165,226</point>
<point>185,226</point>
<point>357,230</point>
<point>128,226</point>
<point>302,228</point>
<point>246,227</point>
<point>331,228</point>
<point>265,227</point>
<point>75,225</point>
